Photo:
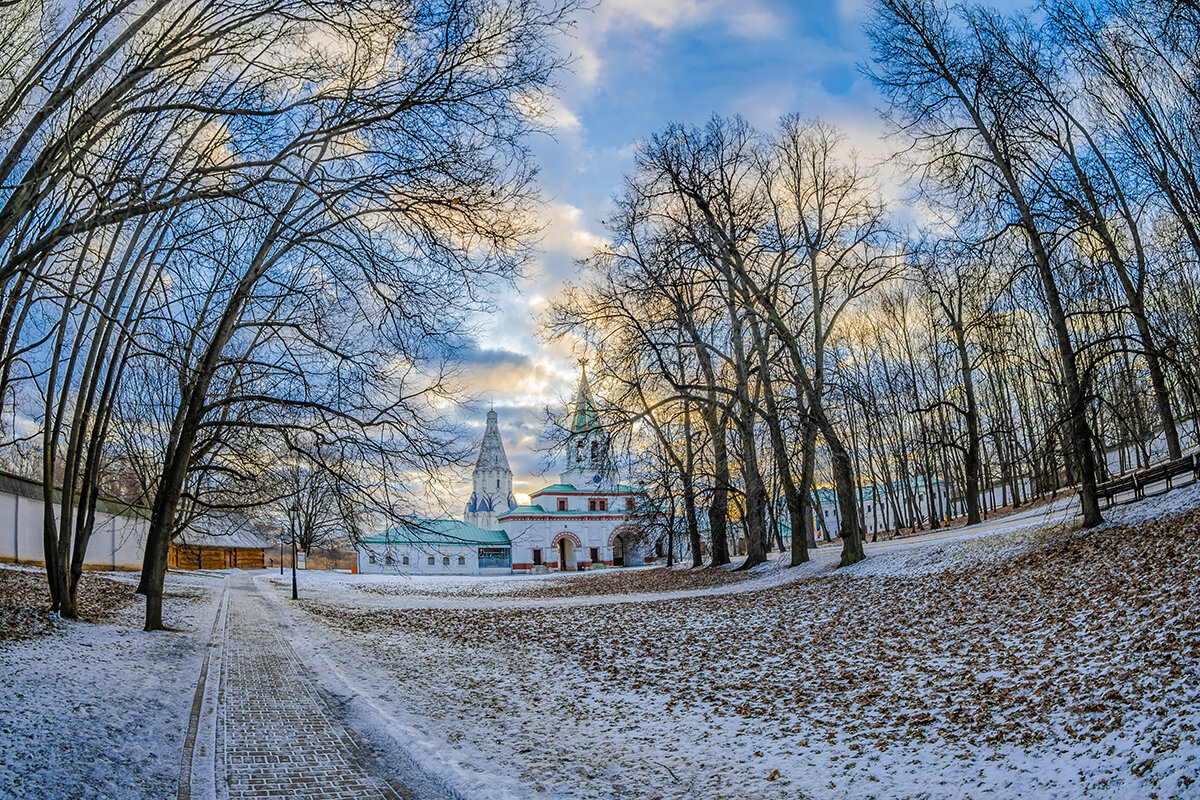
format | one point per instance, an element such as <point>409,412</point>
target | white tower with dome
<point>492,480</point>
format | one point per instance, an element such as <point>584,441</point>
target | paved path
<point>270,730</point>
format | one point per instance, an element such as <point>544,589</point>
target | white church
<point>583,521</point>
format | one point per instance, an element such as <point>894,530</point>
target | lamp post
<point>293,513</point>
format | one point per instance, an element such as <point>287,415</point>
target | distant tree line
<point>1026,319</point>
<point>238,239</point>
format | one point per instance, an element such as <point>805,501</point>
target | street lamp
<point>293,514</point>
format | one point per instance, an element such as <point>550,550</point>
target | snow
<point>1024,657</point>
<point>1019,658</point>
<point>100,709</point>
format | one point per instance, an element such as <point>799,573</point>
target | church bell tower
<point>589,460</point>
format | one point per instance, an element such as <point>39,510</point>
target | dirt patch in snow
<point>25,601</point>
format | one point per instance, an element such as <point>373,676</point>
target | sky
<point>638,65</point>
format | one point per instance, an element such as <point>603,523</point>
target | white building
<point>492,480</point>
<point>435,547</point>
<point>584,520</point>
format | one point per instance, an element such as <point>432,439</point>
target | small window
<point>462,561</point>
<point>497,483</point>
<point>562,504</point>
<point>537,557</point>
<point>404,561</point>
<point>595,554</point>
<point>389,561</point>
<point>602,504</point>
<point>431,561</point>
<point>595,450</point>
<point>371,558</point>
<point>445,561</point>
<point>592,504</point>
<point>629,504</point>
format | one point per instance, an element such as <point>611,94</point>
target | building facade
<point>586,519</point>
<point>435,547</point>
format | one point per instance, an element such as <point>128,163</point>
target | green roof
<point>443,532</point>
<point>585,419</point>
<point>559,488</point>
<point>522,510</point>
<point>556,487</point>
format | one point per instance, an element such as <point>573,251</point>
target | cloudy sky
<point>639,65</point>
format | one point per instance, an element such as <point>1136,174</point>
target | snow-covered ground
<point>1023,658</point>
<point>99,709</point>
<point>1020,658</point>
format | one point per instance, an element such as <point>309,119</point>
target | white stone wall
<point>117,541</point>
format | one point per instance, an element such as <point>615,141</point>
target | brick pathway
<point>276,735</point>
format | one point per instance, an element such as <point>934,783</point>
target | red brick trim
<point>585,491</point>
<point>558,537</point>
<point>617,531</point>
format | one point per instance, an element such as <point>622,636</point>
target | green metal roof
<point>559,488</point>
<point>443,532</point>
<point>522,510</point>
<point>556,487</point>
<point>585,418</point>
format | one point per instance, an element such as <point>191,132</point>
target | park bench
<point>1138,481</point>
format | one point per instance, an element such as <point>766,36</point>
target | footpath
<point>261,728</point>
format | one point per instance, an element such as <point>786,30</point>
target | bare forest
<point>774,321</point>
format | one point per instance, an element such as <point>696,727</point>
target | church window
<point>371,558</point>
<point>537,556</point>
<point>389,561</point>
<point>562,504</point>
<point>592,504</point>
<point>461,561</point>
<point>445,561</point>
<point>497,483</point>
<point>595,554</point>
<point>629,504</point>
<point>595,450</point>
<point>603,503</point>
<point>431,561</point>
<point>404,561</point>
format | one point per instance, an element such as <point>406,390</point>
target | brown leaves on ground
<point>597,583</point>
<point>1058,644</point>
<point>25,601</point>
<point>633,581</point>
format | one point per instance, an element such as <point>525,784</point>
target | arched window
<point>445,561</point>
<point>431,561</point>
<point>405,561</point>
<point>461,561</point>
<point>389,560</point>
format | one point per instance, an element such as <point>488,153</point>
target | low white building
<point>435,547</point>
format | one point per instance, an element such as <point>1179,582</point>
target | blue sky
<point>639,65</point>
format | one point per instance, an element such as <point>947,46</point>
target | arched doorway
<point>567,546</point>
<point>626,544</point>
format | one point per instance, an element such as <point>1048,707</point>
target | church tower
<point>589,460</point>
<point>492,479</point>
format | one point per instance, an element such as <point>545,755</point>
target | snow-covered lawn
<point>97,709</point>
<point>1020,659</point>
